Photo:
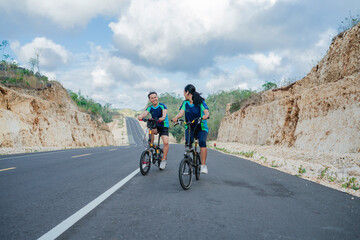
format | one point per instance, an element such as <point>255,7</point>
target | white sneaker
<point>163,164</point>
<point>203,169</point>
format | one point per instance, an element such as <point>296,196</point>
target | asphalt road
<point>238,199</point>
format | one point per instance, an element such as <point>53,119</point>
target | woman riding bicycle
<point>194,107</point>
<point>159,111</point>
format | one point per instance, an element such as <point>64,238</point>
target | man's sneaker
<point>163,164</point>
<point>203,169</point>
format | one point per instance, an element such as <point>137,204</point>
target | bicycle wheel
<point>145,162</point>
<point>197,161</point>
<point>185,173</point>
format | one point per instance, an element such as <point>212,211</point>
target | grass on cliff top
<point>93,108</point>
<point>11,75</point>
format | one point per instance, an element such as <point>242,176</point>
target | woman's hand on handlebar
<point>177,121</point>
<point>205,117</point>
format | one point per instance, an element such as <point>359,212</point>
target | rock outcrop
<point>47,118</point>
<point>320,112</point>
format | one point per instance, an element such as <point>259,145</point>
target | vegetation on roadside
<point>301,171</point>
<point>92,107</point>
<point>245,154</point>
<point>217,103</point>
<point>351,183</point>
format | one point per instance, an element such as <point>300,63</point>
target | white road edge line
<point>67,223</point>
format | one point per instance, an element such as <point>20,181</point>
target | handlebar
<point>182,121</point>
<point>150,120</point>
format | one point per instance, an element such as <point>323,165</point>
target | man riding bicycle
<point>194,107</point>
<point>159,111</point>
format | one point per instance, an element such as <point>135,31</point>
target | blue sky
<point>117,51</point>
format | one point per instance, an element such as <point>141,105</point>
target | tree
<point>37,54</point>
<point>32,63</point>
<point>3,46</point>
<point>177,132</point>
<point>269,85</point>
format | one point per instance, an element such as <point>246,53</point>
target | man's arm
<point>164,113</point>
<point>144,114</point>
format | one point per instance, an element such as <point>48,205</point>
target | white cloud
<point>266,64</point>
<point>159,31</point>
<point>51,55</point>
<point>108,78</point>
<point>100,78</point>
<point>70,13</point>
<point>155,84</point>
<point>242,77</point>
<point>280,67</point>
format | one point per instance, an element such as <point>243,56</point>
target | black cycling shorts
<point>163,131</point>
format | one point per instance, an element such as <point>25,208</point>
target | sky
<point>116,51</point>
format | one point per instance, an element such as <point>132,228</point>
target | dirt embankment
<point>46,118</point>
<point>320,112</point>
<point>310,128</point>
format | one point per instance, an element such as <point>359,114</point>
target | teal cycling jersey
<point>192,112</point>
<point>157,112</point>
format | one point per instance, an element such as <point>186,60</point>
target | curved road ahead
<point>42,193</point>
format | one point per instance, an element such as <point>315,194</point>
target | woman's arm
<point>179,115</point>
<point>206,114</point>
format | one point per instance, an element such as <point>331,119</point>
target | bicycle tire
<point>197,161</point>
<point>185,173</point>
<point>145,162</point>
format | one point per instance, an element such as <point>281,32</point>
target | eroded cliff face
<point>47,118</point>
<point>319,112</point>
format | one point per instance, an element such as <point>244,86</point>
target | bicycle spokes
<point>145,162</point>
<point>185,174</point>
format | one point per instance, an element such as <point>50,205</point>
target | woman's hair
<point>197,99</point>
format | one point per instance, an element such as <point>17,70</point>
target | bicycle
<point>153,153</point>
<point>191,162</point>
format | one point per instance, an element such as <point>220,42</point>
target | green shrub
<point>351,184</point>
<point>93,108</point>
<point>269,85</point>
